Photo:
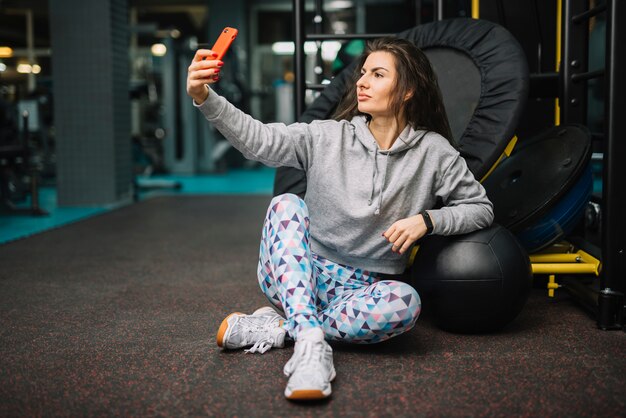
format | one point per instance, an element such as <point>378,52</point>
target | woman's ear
<point>408,95</point>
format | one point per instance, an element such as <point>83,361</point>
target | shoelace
<point>252,331</point>
<point>261,347</point>
<point>309,358</point>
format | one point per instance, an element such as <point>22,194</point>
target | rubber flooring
<point>116,315</point>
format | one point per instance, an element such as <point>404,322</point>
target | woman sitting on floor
<point>375,178</point>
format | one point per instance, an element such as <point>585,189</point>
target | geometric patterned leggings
<point>349,304</point>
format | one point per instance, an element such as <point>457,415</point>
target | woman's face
<point>377,82</point>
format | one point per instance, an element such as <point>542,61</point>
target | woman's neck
<point>386,130</point>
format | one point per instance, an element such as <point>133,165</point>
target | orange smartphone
<point>223,42</point>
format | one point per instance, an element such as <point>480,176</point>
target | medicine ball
<point>477,282</point>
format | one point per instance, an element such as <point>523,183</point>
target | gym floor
<point>116,315</point>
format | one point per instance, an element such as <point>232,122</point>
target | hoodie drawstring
<point>374,174</point>
<point>382,186</point>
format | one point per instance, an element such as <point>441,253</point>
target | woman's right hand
<point>204,69</point>
<point>403,233</point>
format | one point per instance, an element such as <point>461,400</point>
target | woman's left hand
<point>403,233</point>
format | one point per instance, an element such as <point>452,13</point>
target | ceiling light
<point>329,49</point>
<point>158,50</point>
<point>24,68</point>
<point>339,4</point>
<point>6,52</point>
<point>283,48</point>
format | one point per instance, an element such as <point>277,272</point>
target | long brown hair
<point>424,109</point>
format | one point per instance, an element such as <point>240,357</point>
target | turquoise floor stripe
<point>245,181</point>
<point>22,226</point>
<point>255,181</point>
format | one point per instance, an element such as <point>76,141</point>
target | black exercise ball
<point>472,283</point>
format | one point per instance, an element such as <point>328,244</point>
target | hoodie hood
<point>408,139</point>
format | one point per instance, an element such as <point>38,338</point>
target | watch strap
<point>428,222</point>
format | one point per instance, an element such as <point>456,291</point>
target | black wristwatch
<point>428,222</point>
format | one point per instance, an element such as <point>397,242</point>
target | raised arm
<point>273,144</point>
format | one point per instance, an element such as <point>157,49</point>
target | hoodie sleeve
<point>273,144</point>
<point>466,206</point>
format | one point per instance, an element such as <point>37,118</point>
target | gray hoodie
<point>356,191</point>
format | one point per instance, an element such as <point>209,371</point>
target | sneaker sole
<point>307,395</point>
<point>221,332</point>
<point>311,394</point>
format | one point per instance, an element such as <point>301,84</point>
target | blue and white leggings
<point>349,304</point>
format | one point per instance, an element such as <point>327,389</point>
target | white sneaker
<point>262,330</point>
<point>310,369</point>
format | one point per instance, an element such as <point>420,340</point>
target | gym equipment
<point>15,158</point>
<point>472,283</point>
<point>483,77</point>
<point>565,258</point>
<point>573,85</point>
<point>561,221</point>
<point>541,191</point>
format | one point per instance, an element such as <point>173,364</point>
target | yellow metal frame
<point>579,262</point>
<point>475,9</point>
<point>507,153</point>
